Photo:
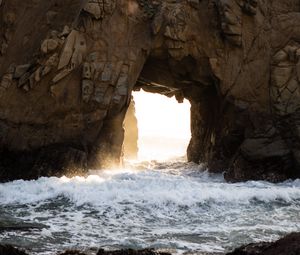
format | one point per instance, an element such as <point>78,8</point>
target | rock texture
<point>67,70</point>
<point>288,245</point>
<point>9,250</point>
<point>132,252</point>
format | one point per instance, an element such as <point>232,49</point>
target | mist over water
<point>172,205</point>
<point>161,148</point>
<point>164,126</point>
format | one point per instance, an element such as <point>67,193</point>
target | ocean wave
<point>173,205</point>
<point>156,187</point>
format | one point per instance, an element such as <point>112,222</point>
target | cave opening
<point>157,127</point>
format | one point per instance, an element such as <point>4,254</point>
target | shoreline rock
<point>288,245</point>
<point>10,250</point>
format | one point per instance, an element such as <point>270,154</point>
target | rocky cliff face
<point>68,68</point>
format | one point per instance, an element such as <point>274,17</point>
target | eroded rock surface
<point>66,81</point>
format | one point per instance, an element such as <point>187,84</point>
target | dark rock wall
<point>66,82</point>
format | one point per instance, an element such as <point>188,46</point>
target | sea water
<point>166,205</point>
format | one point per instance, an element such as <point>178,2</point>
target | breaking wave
<point>168,205</point>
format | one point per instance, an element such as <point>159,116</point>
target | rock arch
<point>66,85</point>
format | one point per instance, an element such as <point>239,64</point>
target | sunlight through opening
<point>163,126</point>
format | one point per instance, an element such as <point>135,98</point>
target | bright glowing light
<point>107,174</point>
<point>97,176</point>
<point>164,126</point>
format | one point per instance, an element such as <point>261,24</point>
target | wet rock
<point>49,161</point>
<point>289,245</point>
<point>10,250</point>
<point>72,252</point>
<point>132,252</point>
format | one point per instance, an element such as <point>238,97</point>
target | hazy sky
<point>164,121</point>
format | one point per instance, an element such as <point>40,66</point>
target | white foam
<point>150,187</point>
<point>172,205</point>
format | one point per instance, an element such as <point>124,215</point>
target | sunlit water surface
<point>172,205</point>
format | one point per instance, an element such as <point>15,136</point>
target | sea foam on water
<point>164,205</point>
